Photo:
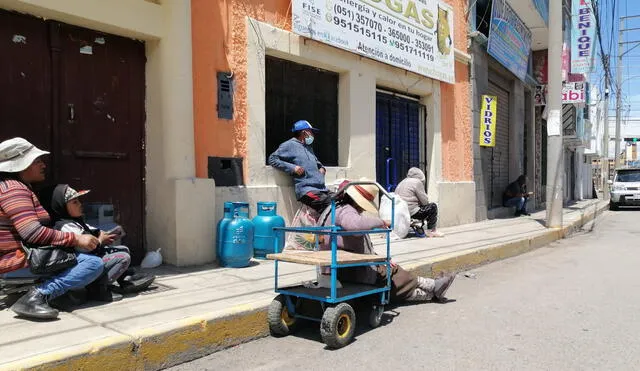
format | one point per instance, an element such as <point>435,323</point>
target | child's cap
<point>70,194</point>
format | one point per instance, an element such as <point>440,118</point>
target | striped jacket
<point>22,218</point>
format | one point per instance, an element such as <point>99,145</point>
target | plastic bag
<point>402,222</point>
<point>152,259</point>
<point>305,217</point>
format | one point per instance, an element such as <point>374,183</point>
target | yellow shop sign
<point>488,118</point>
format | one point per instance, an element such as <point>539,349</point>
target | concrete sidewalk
<point>197,311</point>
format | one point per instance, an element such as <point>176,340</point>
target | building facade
<point>110,93</point>
<point>503,70</point>
<point>166,116</point>
<point>376,120</point>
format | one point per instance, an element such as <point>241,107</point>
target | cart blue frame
<point>333,232</point>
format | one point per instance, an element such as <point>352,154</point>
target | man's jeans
<point>89,268</point>
<point>520,203</point>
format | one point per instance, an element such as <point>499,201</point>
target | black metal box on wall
<point>225,95</point>
<point>226,171</point>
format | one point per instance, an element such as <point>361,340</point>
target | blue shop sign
<point>509,39</point>
<point>543,9</point>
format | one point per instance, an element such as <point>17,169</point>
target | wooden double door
<point>80,94</point>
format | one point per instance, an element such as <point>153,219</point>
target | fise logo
<point>488,119</point>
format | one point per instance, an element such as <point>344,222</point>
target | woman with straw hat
<point>357,209</point>
<point>24,220</point>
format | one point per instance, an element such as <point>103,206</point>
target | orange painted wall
<point>219,38</point>
<point>457,141</point>
<point>457,130</point>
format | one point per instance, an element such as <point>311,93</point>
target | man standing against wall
<point>296,158</point>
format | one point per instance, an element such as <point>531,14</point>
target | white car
<point>625,188</point>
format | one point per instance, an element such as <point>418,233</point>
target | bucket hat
<point>17,154</point>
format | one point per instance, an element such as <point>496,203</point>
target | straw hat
<point>17,154</point>
<point>364,195</point>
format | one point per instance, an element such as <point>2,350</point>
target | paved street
<point>571,305</point>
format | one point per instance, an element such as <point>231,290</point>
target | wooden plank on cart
<point>324,257</point>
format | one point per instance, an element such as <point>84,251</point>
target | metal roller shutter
<point>499,165</point>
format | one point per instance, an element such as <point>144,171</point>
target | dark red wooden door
<point>79,94</point>
<point>25,99</point>
<point>100,121</point>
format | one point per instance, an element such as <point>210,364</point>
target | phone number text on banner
<point>416,35</point>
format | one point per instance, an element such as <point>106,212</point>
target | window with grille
<point>299,92</point>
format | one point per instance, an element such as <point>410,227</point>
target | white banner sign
<point>573,92</point>
<point>415,35</point>
<point>582,36</point>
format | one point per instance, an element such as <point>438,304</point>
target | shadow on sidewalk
<point>310,330</point>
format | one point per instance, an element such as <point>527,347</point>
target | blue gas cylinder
<point>222,225</point>
<point>236,250</point>
<point>264,237</point>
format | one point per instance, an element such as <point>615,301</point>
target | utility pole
<point>618,93</point>
<point>555,156</point>
<point>604,158</point>
<point>621,54</point>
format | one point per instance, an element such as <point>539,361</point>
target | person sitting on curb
<point>24,220</point>
<point>516,195</point>
<point>356,210</point>
<point>63,204</point>
<point>296,158</point>
<point>411,190</point>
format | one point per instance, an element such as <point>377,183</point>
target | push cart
<point>337,317</point>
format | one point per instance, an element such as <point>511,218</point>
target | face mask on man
<point>308,140</point>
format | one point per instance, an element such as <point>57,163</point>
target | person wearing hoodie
<point>296,158</point>
<point>356,210</point>
<point>412,190</point>
<point>65,208</point>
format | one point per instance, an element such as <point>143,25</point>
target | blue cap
<point>303,125</point>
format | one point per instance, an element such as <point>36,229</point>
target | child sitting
<point>66,211</point>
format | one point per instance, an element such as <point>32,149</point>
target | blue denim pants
<point>520,203</point>
<point>89,268</point>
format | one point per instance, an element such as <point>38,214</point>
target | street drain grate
<point>156,288</point>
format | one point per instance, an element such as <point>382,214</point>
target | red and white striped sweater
<point>22,218</point>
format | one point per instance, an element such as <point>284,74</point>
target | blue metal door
<point>397,138</point>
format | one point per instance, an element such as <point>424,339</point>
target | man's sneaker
<point>419,231</point>
<point>102,293</point>
<point>434,233</point>
<point>442,285</point>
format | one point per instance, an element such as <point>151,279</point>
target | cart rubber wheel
<point>281,323</point>
<point>338,325</point>
<point>613,206</point>
<point>375,316</point>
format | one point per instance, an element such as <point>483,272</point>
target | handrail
<point>390,184</point>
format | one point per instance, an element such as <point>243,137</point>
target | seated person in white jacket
<point>411,189</point>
